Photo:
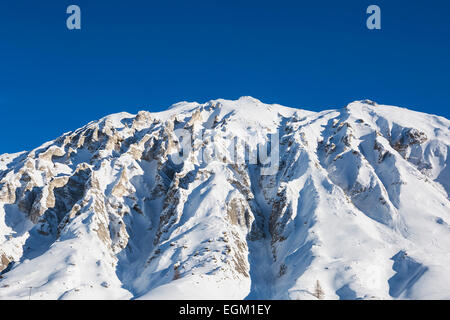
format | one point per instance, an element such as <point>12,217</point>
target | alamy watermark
<point>73,22</point>
<point>232,150</point>
<point>374,20</point>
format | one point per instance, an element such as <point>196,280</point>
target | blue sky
<point>132,55</point>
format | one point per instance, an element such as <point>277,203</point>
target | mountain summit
<point>232,200</point>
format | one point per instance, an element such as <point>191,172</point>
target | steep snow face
<point>232,200</point>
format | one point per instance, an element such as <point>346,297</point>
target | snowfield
<point>357,208</point>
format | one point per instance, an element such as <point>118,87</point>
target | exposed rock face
<point>121,208</point>
<point>4,262</point>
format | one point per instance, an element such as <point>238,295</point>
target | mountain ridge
<point>355,199</point>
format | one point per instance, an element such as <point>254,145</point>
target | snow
<point>359,204</point>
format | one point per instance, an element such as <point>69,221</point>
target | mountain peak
<point>232,200</point>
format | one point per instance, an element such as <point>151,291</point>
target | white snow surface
<point>359,205</point>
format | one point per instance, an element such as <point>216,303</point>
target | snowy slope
<point>356,208</point>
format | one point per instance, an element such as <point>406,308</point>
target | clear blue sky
<point>132,55</point>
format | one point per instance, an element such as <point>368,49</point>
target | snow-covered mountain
<point>183,204</point>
